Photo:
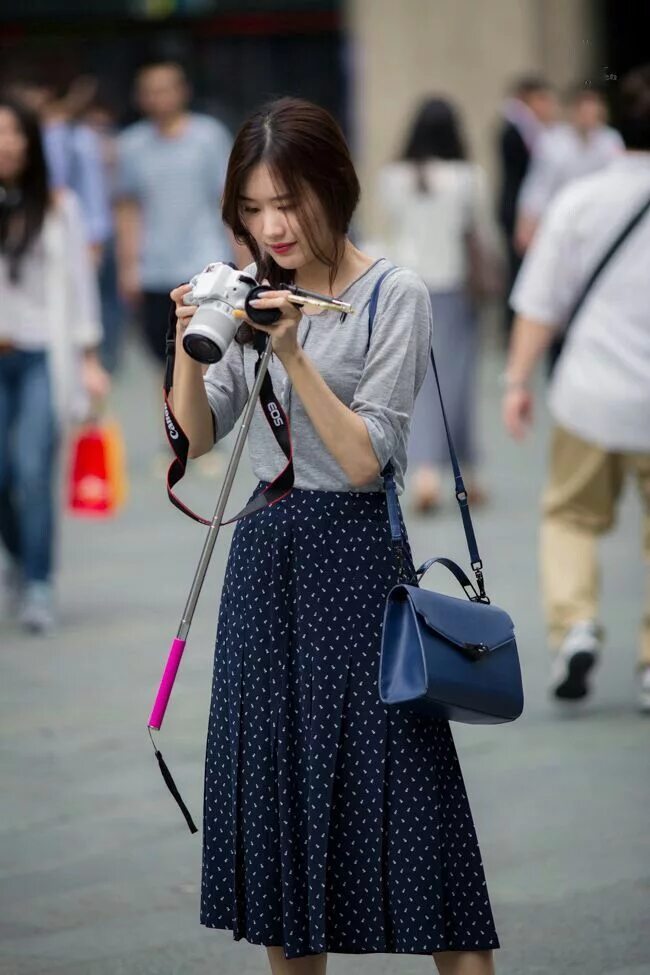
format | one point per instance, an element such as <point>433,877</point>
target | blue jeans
<point>27,453</point>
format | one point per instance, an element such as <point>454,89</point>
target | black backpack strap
<point>614,247</point>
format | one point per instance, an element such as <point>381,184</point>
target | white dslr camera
<point>220,290</point>
<point>223,295</point>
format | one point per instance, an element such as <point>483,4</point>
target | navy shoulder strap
<point>388,472</point>
<point>374,299</point>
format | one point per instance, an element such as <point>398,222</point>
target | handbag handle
<point>461,493</point>
<point>457,572</point>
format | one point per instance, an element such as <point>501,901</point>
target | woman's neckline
<point>339,296</point>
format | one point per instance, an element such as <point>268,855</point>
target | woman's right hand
<point>184,313</point>
<point>517,411</point>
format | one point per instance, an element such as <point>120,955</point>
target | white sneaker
<point>575,659</point>
<point>37,612</point>
<point>644,691</point>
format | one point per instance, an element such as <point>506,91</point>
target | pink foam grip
<point>166,684</point>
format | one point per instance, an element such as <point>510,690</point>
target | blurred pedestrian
<point>438,215</point>
<point>100,116</point>
<point>171,171</point>
<point>49,331</point>
<point>72,151</point>
<point>310,845</point>
<point>581,145</point>
<point>529,109</point>
<point>600,393</point>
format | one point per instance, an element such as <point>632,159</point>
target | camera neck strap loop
<point>275,416</point>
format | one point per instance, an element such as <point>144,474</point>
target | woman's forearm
<point>189,402</point>
<point>343,432</point>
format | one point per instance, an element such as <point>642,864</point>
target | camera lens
<point>210,332</point>
<point>201,348</point>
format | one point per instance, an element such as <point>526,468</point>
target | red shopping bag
<point>97,481</point>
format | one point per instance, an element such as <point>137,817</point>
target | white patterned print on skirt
<point>332,823</point>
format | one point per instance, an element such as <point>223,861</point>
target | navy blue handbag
<point>444,657</point>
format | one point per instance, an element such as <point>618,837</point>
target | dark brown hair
<point>435,133</point>
<point>632,115</point>
<point>529,84</point>
<point>23,208</point>
<point>304,148</point>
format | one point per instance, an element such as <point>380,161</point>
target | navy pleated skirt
<point>331,822</point>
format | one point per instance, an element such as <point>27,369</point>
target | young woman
<point>331,823</point>
<point>436,206</point>
<point>49,330</point>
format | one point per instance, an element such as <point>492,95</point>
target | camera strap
<point>180,445</point>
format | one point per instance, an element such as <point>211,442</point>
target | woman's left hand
<point>95,379</point>
<point>284,334</point>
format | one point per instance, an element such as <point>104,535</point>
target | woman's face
<point>271,217</point>
<point>13,146</point>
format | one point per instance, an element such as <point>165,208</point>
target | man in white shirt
<point>582,145</point>
<point>600,394</point>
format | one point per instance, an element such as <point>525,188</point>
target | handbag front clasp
<point>474,651</point>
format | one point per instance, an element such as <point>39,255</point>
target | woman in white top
<point>435,202</point>
<point>49,328</point>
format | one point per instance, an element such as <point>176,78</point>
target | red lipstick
<point>283,248</point>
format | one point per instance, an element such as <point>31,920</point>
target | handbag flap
<point>462,622</point>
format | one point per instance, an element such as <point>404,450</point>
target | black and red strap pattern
<point>276,418</point>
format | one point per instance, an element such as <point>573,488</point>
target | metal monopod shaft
<point>178,645</point>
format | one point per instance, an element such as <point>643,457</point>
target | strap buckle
<point>471,593</point>
<point>483,597</point>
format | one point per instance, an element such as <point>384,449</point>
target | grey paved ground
<point>99,875</point>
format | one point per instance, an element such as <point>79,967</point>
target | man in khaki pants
<point>600,392</point>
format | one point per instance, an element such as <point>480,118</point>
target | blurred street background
<point>98,874</point>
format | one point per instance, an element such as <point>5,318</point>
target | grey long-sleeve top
<point>379,385</point>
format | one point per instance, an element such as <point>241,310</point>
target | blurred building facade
<point>463,49</point>
<point>238,53</point>
<point>368,61</point>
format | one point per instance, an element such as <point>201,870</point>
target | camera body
<point>219,291</point>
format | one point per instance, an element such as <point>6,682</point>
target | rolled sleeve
<point>227,390</point>
<point>395,364</point>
